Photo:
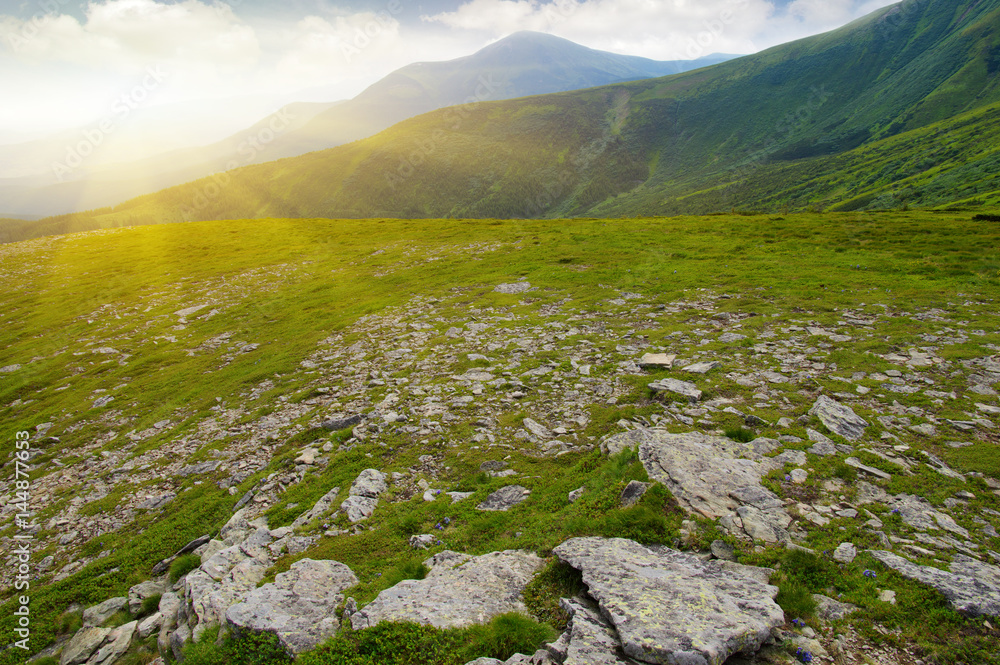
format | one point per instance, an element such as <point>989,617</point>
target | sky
<point>66,63</point>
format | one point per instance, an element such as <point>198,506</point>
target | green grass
<point>312,278</point>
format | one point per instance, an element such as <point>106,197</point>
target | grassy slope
<point>320,276</point>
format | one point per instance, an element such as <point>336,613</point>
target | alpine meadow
<point>543,355</point>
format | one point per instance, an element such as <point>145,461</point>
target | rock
<point>422,541</point>
<point>7,369</point>
<point>363,496</point>
<point>657,361</point>
<point>459,496</point>
<point>845,553</point>
<point>150,625</point>
<point>179,639</point>
<point>575,494</point>
<point>624,441</point>
<point>83,645</point>
<point>702,367</point>
<point>878,473</point>
<point>632,493</point>
<point>458,591</point>
<point>799,476</point>
<point>157,502</point>
<point>709,475</point>
<point>537,429</point>
<point>117,643</point>
<point>512,289</point>
<point>199,468</point>
<point>589,638</point>
<point>504,498</point>
<point>731,337</point>
<point>671,607</point>
<point>683,388</point>
<point>972,587</point>
<point>921,515</point>
<point>723,550</point>
<point>140,592</point>
<point>98,614</point>
<point>887,596</point>
<point>338,424</point>
<point>829,610</point>
<point>839,418</point>
<point>319,508</point>
<point>299,606</point>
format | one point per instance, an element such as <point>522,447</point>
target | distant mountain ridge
<point>523,64</point>
<point>900,108</point>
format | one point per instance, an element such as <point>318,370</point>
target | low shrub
<point>183,565</point>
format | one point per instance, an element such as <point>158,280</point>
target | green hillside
<point>895,109</point>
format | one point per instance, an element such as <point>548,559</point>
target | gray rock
<point>537,429</point>
<point>845,553</point>
<point>723,550</point>
<point>320,508</point>
<point>633,492</point>
<point>683,388</point>
<point>576,494</point>
<point>671,607</point>
<point>157,502</point>
<point>972,587</point>
<point>711,476</point>
<point>179,639</point>
<point>359,508</point>
<point>299,606</point>
<point>920,514</point>
<point>150,625</point>
<point>513,289</point>
<point>504,498</point>
<point>338,424</point>
<point>703,367</point>
<point>590,639</point>
<point>140,592</point>
<point>828,609</point>
<point>117,643</point>
<point>98,614</point>
<point>370,483</point>
<point>83,645</point>
<point>422,541</point>
<point>857,464</point>
<point>199,468</point>
<point>458,591</point>
<point>839,418</point>
<point>7,369</point>
<point>363,496</point>
<point>730,337</point>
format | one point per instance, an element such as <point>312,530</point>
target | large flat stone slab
<point>299,606</point>
<point>717,478</point>
<point>458,591</point>
<point>972,587</point>
<point>671,607</point>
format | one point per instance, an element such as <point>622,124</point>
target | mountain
<point>898,108</point>
<point>525,63</point>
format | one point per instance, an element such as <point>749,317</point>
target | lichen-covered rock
<point>299,606</point>
<point>84,643</point>
<point>839,418</point>
<point>363,496</point>
<point>972,587</point>
<point>677,387</point>
<point>711,476</point>
<point>589,638</point>
<point>671,607</point>
<point>504,498</point>
<point>140,592</point>
<point>458,591</point>
<point>98,614</point>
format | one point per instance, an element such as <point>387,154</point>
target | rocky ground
<point>852,435</point>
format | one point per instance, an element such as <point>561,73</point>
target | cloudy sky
<point>65,63</point>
